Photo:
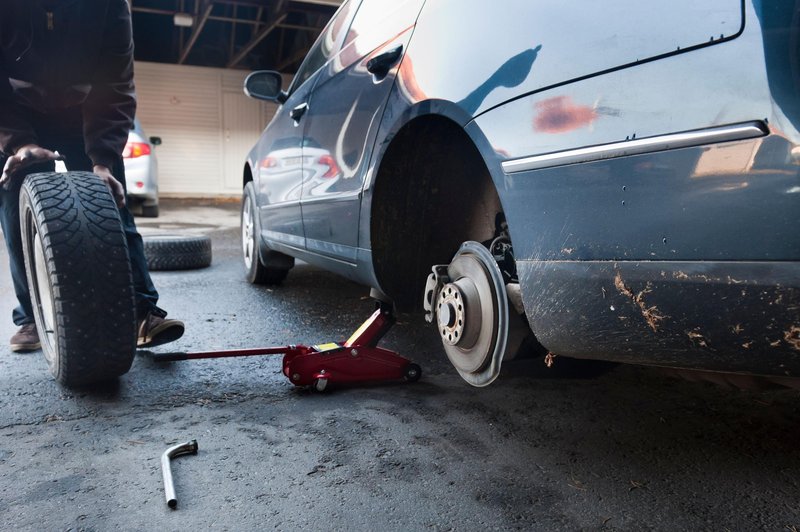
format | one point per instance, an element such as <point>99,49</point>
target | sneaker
<point>26,339</point>
<point>156,329</point>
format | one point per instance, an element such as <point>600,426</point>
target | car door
<point>343,115</point>
<point>280,169</point>
<point>278,175</point>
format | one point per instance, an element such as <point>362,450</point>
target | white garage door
<point>206,124</point>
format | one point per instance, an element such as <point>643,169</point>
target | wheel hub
<point>458,311</point>
<point>472,314</point>
<point>450,311</point>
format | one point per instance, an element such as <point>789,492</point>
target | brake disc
<point>472,314</point>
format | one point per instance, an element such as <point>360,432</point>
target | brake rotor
<point>472,314</point>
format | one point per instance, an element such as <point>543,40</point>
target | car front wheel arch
<point>432,192</point>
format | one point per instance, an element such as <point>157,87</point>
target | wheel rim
<point>472,315</point>
<point>248,233</point>
<point>43,299</point>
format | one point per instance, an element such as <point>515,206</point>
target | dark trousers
<point>64,132</point>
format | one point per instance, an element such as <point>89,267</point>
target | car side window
<point>327,44</point>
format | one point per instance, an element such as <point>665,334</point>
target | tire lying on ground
<point>177,252</point>
<point>79,273</point>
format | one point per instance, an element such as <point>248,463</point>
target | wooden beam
<point>199,24</point>
<point>300,28</point>
<point>233,20</point>
<point>300,4</point>
<point>297,56</point>
<point>233,31</point>
<point>260,36</point>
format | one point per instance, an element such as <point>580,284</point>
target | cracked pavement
<point>631,450</point>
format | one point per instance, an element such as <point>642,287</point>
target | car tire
<point>177,252</point>
<point>79,274</point>
<point>150,211</point>
<point>262,265</point>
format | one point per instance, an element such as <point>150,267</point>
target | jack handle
<point>189,447</point>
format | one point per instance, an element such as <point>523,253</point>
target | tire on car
<point>262,265</point>
<point>177,252</point>
<point>79,274</point>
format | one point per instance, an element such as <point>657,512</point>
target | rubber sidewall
<point>86,272</point>
<point>267,266</point>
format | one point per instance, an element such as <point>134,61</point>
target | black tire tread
<point>90,275</point>
<point>268,275</point>
<point>165,252</point>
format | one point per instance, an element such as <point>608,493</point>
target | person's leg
<point>146,293</point>
<point>9,219</point>
<point>26,338</point>
<point>154,328</point>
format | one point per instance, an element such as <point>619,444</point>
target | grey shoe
<point>26,339</point>
<point>156,329</point>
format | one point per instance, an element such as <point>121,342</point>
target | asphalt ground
<point>630,450</point>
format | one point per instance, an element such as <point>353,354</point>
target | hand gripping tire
<point>79,274</point>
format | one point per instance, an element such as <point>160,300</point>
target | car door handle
<point>298,112</point>
<point>382,63</point>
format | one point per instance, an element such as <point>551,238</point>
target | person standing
<point>67,90</point>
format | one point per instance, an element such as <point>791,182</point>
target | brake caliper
<point>436,280</point>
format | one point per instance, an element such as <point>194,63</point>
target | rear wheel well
<point>433,192</point>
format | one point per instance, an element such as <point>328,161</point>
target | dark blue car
<point>620,179</point>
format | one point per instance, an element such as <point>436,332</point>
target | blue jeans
<point>64,132</point>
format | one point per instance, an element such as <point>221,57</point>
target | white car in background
<point>141,171</point>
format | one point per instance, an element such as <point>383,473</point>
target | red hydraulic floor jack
<point>359,359</point>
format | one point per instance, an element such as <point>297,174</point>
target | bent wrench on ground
<point>189,447</point>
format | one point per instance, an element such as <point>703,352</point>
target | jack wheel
<point>412,373</point>
<point>321,385</point>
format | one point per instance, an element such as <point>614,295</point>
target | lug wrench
<point>189,447</point>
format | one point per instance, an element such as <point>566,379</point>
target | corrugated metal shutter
<point>240,126</point>
<point>184,106</point>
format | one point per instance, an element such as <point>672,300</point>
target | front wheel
<point>262,266</point>
<point>79,274</point>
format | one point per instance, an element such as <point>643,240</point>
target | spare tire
<point>177,252</point>
<point>79,273</point>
